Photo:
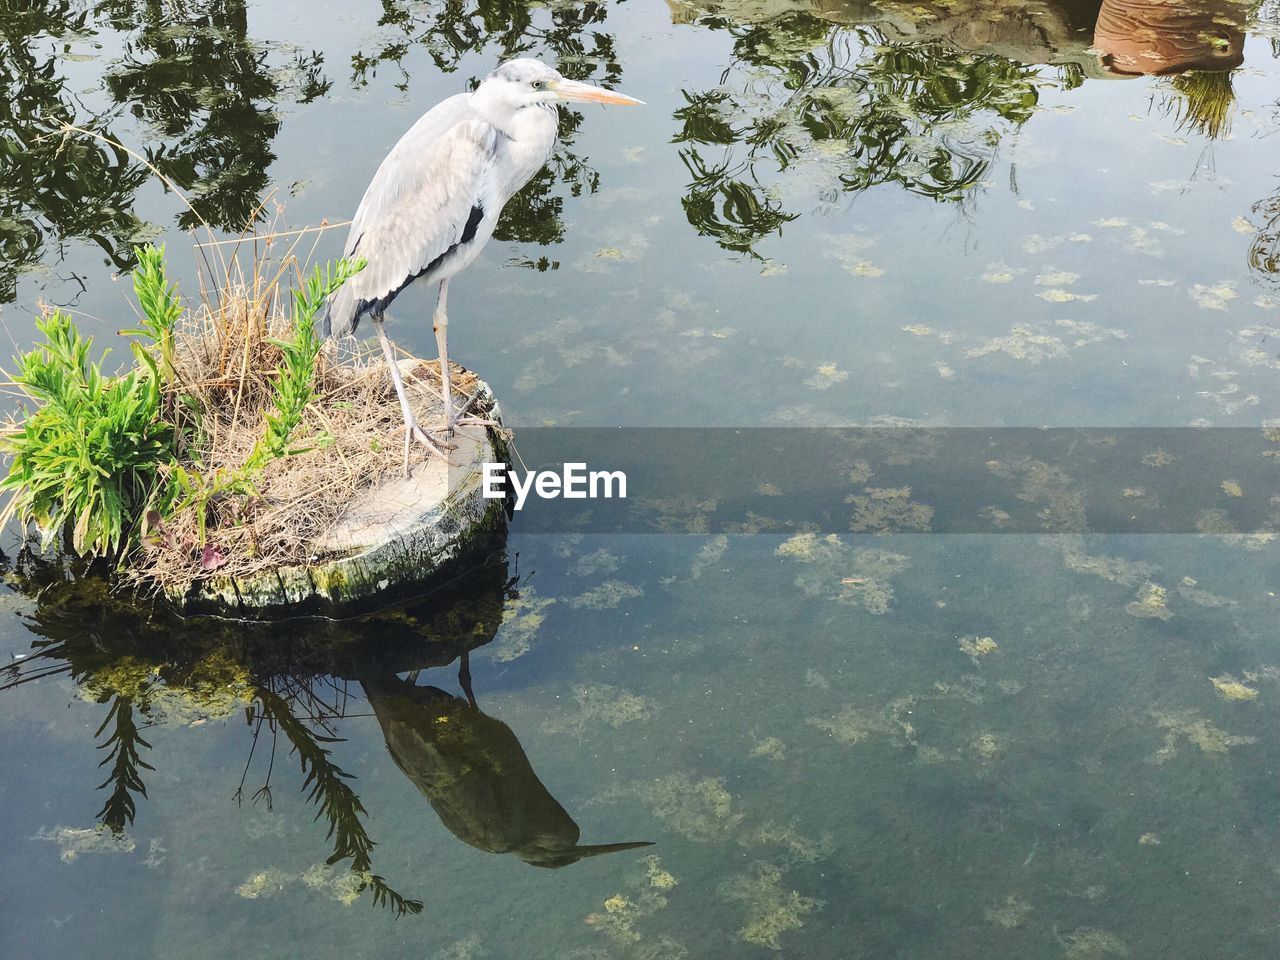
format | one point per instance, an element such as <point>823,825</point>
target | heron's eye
<point>537,84</point>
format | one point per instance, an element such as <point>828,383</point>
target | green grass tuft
<point>102,457</point>
<point>86,460</point>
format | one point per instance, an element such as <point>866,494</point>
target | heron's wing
<point>425,199</point>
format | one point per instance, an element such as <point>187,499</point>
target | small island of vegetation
<point>224,449</point>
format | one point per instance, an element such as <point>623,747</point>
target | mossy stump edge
<point>390,542</point>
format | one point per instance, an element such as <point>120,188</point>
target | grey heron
<point>433,203</point>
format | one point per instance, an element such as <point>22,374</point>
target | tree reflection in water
<point>208,94</point>
<point>860,93</point>
<point>569,36</point>
<point>206,91</point>
<point>1264,251</point>
<point>852,106</point>
<point>853,93</point>
<point>211,92</point>
<point>295,684</point>
<point>52,187</point>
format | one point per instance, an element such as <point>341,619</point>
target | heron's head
<point>526,83</point>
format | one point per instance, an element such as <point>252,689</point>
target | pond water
<point>872,736</point>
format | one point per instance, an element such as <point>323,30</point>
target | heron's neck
<point>532,122</point>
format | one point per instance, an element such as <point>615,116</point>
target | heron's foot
<point>434,442</point>
<point>443,436</point>
<point>461,419</point>
<point>462,416</point>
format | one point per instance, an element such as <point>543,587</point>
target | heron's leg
<point>452,415</point>
<point>411,429</point>
<point>440,323</point>
<point>464,678</point>
<point>389,352</point>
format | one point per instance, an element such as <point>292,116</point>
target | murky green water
<point>829,214</point>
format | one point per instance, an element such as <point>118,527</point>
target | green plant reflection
<point>838,95</point>
<point>295,684</point>
<point>211,92</point>
<point>451,30</point>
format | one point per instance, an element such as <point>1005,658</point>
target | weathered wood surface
<point>388,543</point>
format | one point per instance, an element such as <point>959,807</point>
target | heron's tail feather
<point>341,315</point>
<point>324,326</point>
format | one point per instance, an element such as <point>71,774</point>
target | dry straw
<point>349,440</point>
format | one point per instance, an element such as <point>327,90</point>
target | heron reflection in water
<point>474,773</point>
<point>292,679</point>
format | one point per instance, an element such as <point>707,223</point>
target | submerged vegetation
<point>952,743</point>
<point>1052,747</point>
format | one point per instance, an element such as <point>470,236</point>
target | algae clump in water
<point>599,704</point>
<point>888,510</point>
<point>522,618</point>
<point>622,913</point>
<point>606,596</point>
<point>1087,943</point>
<point>73,841</point>
<point>264,883</point>
<point>769,748</point>
<point>1233,689</point>
<point>214,688</point>
<point>1189,725</point>
<point>772,909</point>
<point>843,573</point>
<point>852,725</point>
<point>1150,603</point>
<point>701,810</point>
<point>1008,913</point>
<point>978,647</point>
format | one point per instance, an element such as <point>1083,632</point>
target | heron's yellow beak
<point>586,93</point>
